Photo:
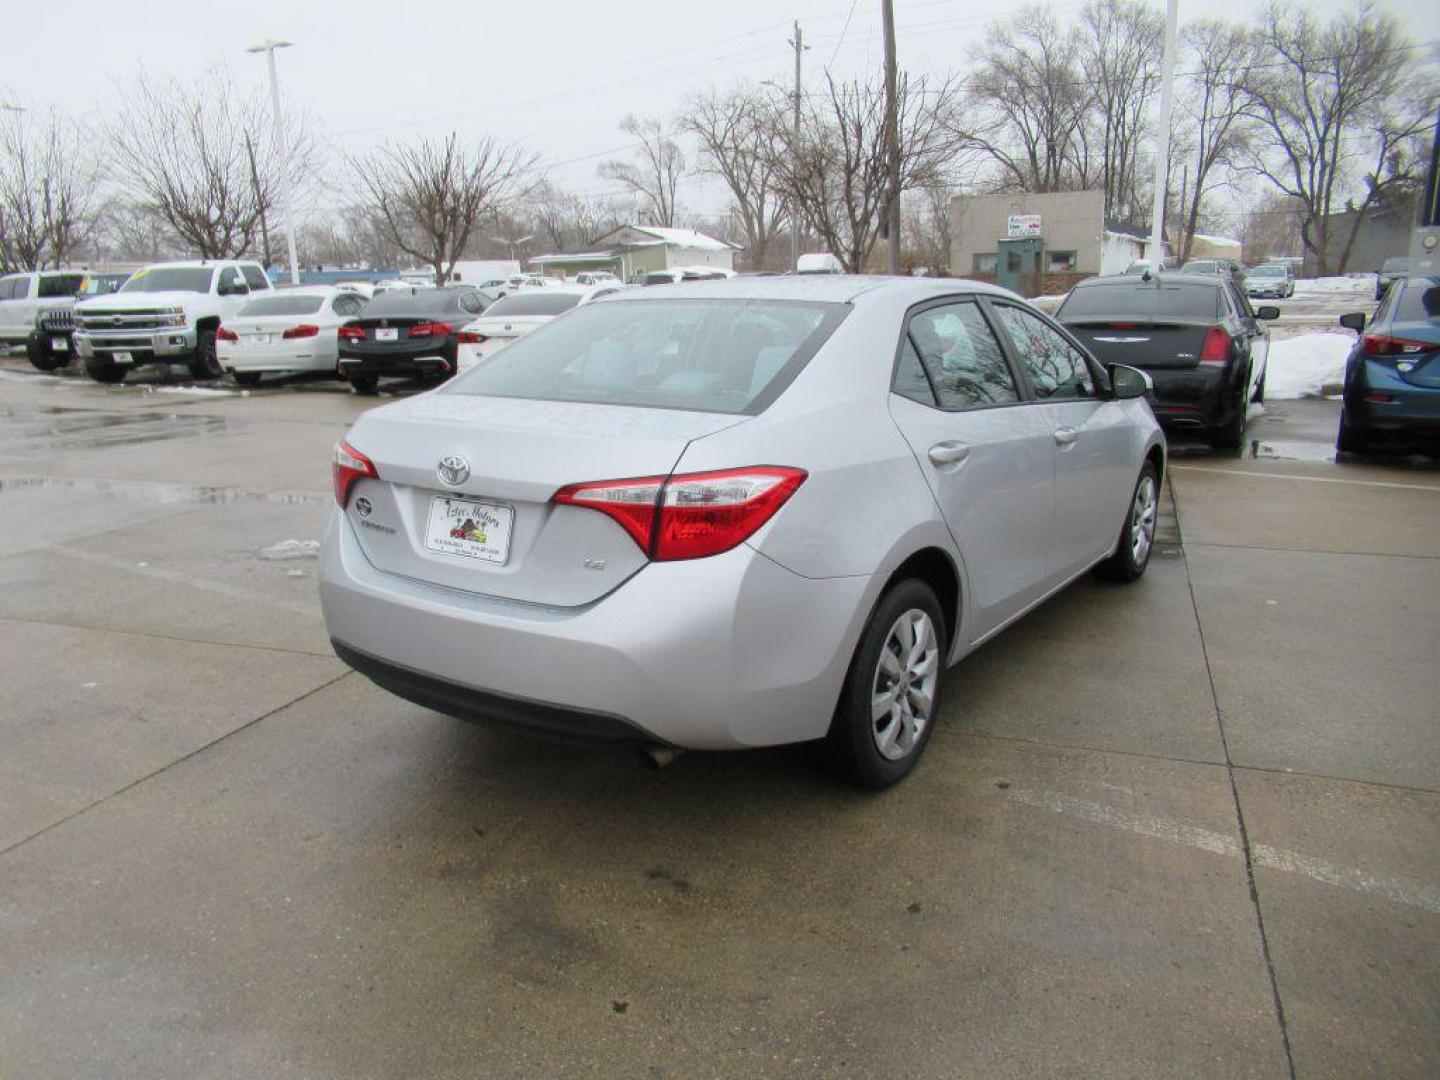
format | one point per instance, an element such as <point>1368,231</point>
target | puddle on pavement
<point>159,494</point>
<point>28,431</point>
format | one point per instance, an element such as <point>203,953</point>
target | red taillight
<point>223,334</point>
<point>690,515</point>
<point>431,329</point>
<point>1123,325</point>
<point>351,333</point>
<point>470,337</point>
<point>350,465</point>
<point>1216,349</point>
<point>303,330</point>
<point>1385,345</point>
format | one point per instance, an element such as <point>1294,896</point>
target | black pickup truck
<point>1197,336</point>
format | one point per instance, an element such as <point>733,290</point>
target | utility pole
<point>1162,142</point>
<point>287,208</point>
<point>892,140</point>
<point>1184,225</point>
<point>799,43</point>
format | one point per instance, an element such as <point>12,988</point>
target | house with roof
<point>632,251</point>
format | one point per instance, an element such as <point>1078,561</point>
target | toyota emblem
<point>454,470</point>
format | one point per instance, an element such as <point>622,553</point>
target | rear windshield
<point>62,285</point>
<point>284,305</point>
<point>724,356</point>
<point>533,303</point>
<point>413,302</point>
<point>1420,301</point>
<point>1401,262</point>
<point>1143,301</point>
<point>170,279</point>
<point>1268,271</point>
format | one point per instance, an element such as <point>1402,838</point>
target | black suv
<point>407,332</point>
<point>1196,335</point>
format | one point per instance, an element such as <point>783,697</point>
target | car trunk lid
<point>1168,345</point>
<point>496,531</point>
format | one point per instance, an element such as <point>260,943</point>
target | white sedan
<point>513,316</point>
<point>291,331</point>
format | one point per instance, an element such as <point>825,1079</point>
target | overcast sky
<point>557,74</point>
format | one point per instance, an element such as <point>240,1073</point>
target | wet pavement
<point>1185,828</point>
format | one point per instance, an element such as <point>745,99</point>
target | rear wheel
<point>104,370</point>
<point>205,364</point>
<point>365,384</point>
<point>1350,441</point>
<point>43,358</point>
<point>891,696</point>
<point>1137,533</point>
<point>1231,434</point>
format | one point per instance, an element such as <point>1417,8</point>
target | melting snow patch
<point>291,549</point>
<point>1309,365</point>
<point>197,391</point>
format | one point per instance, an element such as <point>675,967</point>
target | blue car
<point>1392,376</point>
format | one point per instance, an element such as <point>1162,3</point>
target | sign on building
<point>1023,225</point>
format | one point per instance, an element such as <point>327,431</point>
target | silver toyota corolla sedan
<point>736,514</point>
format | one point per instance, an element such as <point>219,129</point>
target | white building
<point>632,251</point>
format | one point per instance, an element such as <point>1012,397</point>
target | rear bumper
<point>434,360</point>
<point>1193,398</point>
<point>265,360</point>
<point>721,653</point>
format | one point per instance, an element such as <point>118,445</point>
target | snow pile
<point>1332,285</point>
<point>1308,365</point>
<point>197,391</point>
<point>291,549</point>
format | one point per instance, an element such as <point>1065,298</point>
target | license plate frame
<point>449,514</point>
<point>387,333</point>
<point>59,344</point>
<point>122,357</point>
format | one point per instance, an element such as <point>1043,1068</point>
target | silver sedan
<point>737,514</point>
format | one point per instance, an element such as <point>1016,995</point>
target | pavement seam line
<point>1306,479</point>
<point>19,621</point>
<point>171,764</point>
<point>1310,551</point>
<point>1245,848</point>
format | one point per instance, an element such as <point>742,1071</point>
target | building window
<point>1060,262</point>
<point>985,262</point>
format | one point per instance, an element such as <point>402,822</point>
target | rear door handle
<point>1066,436</point>
<point>948,453</point>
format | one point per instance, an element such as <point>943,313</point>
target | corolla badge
<point>453,469</point>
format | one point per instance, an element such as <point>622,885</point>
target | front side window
<point>7,288</point>
<point>1056,368</point>
<point>61,285</point>
<point>963,359</point>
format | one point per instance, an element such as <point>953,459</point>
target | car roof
<point>1214,281</point>
<point>823,288</point>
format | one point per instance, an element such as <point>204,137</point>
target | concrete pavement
<point>1186,827</point>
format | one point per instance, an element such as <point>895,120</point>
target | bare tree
<point>48,181</point>
<point>654,178</point>
<point>180,150</point>
<point>1334,92</point>
<point>1119,46</point>
<point>565,220</point>
<point>735,130</point>
<point>428,195</point>
<point>1030,103</point>
<point>1221,59</point>
<point>836,178</point>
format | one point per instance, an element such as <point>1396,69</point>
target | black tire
<point>1350,441</point>
<point>1231,434</point>
<point>365,384</point>
<point>852,749</point>
<point>1127,564</point>
<point>246,378</point>
<point>43,358</point>
<point>205,364</point>
<point>104,370</point>
<point>1258,397</point>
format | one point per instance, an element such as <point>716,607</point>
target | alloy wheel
<point>903,692</point>
<point>1142,520</point>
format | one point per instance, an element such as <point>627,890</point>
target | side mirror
<point>1353,320</point>
<point>1129,382</point>
<point>1268,312</point>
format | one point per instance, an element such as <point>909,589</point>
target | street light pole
<point>892,142</point>
<point>799,44</point>
<point>1162,142</point>
<point>286,197</point>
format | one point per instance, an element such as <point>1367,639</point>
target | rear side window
<point>533,303</point>
<point>348,305</point>
<point>724,356</point>
<point>1419,300</point>
<point>1056,368</point>
<point>1143,301</point>
<point>960,355</point>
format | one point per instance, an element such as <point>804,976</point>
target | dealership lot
<point>1189,826</point>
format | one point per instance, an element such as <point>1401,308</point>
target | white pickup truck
<point>22,296</point>
<point>167,313</point>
